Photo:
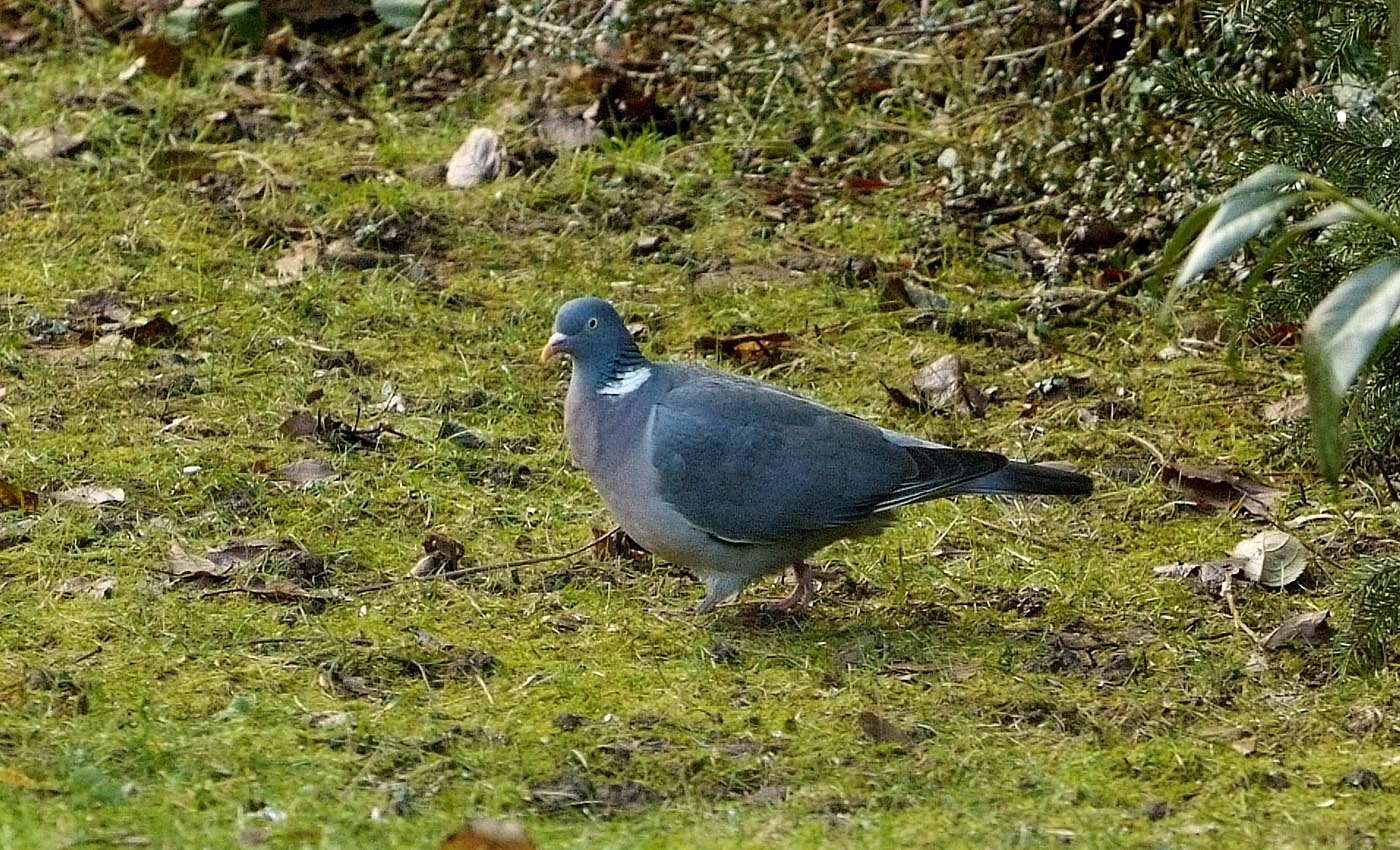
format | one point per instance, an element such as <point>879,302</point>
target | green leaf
<point>1241,217</point>
<point>399,14</point>
<point>1268,177</point>
<point>1339,339</point>
<point>245,21</point>
<point>1186,231</point>
<point>1338,213</point>
<point>180,24</point>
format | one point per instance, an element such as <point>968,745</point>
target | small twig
<point>1106,296</point>
<point>1229,595</point>
<point>1146,444</point>
<point>309,639</point>
<point>486,568</point>
<point>1031,52</point>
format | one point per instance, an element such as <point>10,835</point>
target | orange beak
<point>551,348</point>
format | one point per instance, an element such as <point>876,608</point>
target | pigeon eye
<point>592,323</point>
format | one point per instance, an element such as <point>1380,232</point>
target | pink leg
<point>801,595</point>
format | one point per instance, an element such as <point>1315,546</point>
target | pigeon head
<point>593,335</point>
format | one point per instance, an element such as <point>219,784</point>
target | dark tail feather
<point>1031,479</point>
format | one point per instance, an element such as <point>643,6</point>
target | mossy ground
<point>193,725</point>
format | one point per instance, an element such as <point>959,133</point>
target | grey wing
<point>748,463</point>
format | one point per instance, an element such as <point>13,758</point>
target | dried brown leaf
<point>300,259</point>
<point>878,729</point>
<point>185,566</point>
<point>1292,408</point>
<point>41,143</point>
<point>943,386</point>
<point>101,307</point>
<point>14,498</point>
<point>91,495</point>
<point>154,331</point>
<point>761,348</point>
<point>162,56</point>
<point>92,588</point>
<point>618,545</point>
<point>1309,628</point>
<point>307,472</point>
<point>489,834</point>
<point>1271,558</point>
<point>1218,488</point>
<point>440,554</point>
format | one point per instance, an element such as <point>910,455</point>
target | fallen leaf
<point>302,424</point>
<point>618,545</point>
<point>1292,408</point>
<point>161,54</point>
<point>300,259</point>
<point>341,685</point>
<point>13,498</point>
<point>942,386</point>
<point>478,160</point>
<point>93,588</point>
<point>1217,488</point>
<point>101,307</point>
<point>242,550</point>
<point>440,554</point>
<point>1214,577</point>
<point>1271,558</point>
<point>41,143</point>
<point>489,834</point>
<point>91,495</point>
<point>647,244</point>
<point>307,472</point>
<point>393,401</point>
<point>1309,628</point>
<point>278,590</point>
<point>761,348</point>
<point>184,566</point>
<point>878,729</point>
<point>899,292</point>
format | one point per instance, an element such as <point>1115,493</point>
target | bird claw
<point>802,595</point>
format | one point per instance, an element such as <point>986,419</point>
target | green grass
<point>196,723</point>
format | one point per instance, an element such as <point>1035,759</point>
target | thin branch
<point>486,568</point>
<point>1032,52</point>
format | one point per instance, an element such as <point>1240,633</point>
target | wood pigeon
<point>734,478</point>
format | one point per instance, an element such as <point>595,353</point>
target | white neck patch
<point>626,382</point>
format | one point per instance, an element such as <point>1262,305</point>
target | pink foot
<point>801,595</point>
